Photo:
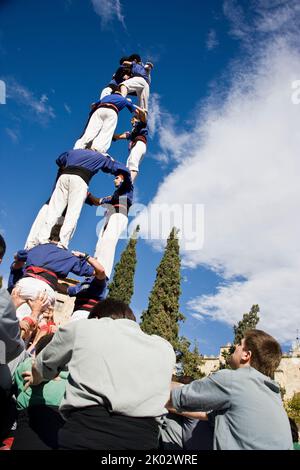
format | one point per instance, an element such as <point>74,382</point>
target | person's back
<point>116,360</point>
<point>58,260</point>
<point>255,417</point>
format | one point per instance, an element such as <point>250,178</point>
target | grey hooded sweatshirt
<point>247,406</point>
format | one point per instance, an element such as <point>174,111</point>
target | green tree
<point>292,407</point>
<point>190,360</point>
<point>162,315</point>
<point>248,322</point>
<point>1,280</point>
<point>122,285</point>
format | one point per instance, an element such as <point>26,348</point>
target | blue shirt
<point>139,129</point>
<point>14,276</point>
<point>123,195</point>
<point>118,101</point>
<point>58,260</point>
<point>138,70</point>
<point>90,288</point>
<point>92,161</point>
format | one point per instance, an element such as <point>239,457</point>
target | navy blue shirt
<point>139,129</point>
<point>90,288</point>
<point>123,195</point>
<point>14,276</point>
<point>139,70</point>
<point>118,101</point>
<point>58,260</point>
<point>92,161</point>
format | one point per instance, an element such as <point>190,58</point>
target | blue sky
<point>216,88</point>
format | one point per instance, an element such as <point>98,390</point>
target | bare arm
<point>99,272</point>
<point>142,113</point>
<point>120,136</point>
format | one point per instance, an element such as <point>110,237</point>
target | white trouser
<point>141,87</point>
<point>105,92</point>
<point>79,315</point>
<point>108,238</point>
<point>71,191</point>
<point>99,131</point>
<point>32,239</point>
<point>136,154</point>
<point>30,288</point>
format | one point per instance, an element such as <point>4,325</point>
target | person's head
<point>135,58</point>
<point>115,309</point>
<point>134,120</point>
<point>54,235</point>
<point>123,59</point>
<point>117,90</point>
<point>119,179</point>
<point>2,247</point>
<point>258,350</point>
<point>42,343</point>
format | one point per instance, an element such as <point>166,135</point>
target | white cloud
<point>212,41</point>
<point>242,162</point>
<point>36,107</point>
<point>13,135</point>
<point>109,10</point>
<point>162,125</point>
<point>67,108</point>
<point>260,19</point>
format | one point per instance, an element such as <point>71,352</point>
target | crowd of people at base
<point>101,383</point>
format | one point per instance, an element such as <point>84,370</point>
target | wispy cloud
<point>13,134</point>
<point>36,108</point>
<point>244,168</point>
<point>67,108</point>
<point>109,10</point>
<point>212,41</point>
<point>259,19</point>
<point>173,142</point>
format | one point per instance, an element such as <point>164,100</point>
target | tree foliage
<point>122,285</point>
<point>162,316</point>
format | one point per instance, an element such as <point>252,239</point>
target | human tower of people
<point>46,257</point>
<point>102,383</point>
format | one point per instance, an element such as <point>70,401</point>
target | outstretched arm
<point>124,135</point>
<point>99,271</point>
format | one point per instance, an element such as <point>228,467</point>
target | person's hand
<point>16,297</point>
<point>39,304</point>
<point>79,254</point>
<point>31,378</point>
<point>93,199</point>
<point>26,329</point>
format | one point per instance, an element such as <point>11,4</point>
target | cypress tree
<point>248,322</point>
<point>190,361</point>
<point>162,316</point>
<point>122,285</point>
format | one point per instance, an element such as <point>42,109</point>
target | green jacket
<point>47,393</point>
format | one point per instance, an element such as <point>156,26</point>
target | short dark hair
<point>42,343</point>
<point>2,246</point>
<point>111,308</point>
<point>136,57</point>
<point>265,351</point>
<point>123,59</point>
<point>54,234</point>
